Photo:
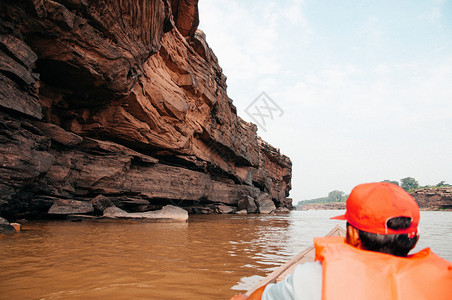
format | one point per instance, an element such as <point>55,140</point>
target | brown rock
<point>130,108</point>
<point>265,204</point>
<point>58,134</point>
<point>24,157</point>
<point>19,50</point>
<point>224,209</point>
<point>7,229</point>
<point>110,147</point>
<point>282,210</point>
<point>248,204</point>
<point>100,203</point>
<point>185,13</point>
<point>18,89</point>
<point>69,207</point>
<point>167,213</point>
<point>434,198</point>
<point>115,212</point>
<point>287,203</point>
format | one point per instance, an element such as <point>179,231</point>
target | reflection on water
<point>210,257</point>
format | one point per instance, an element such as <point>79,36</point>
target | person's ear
<point>353,237</point>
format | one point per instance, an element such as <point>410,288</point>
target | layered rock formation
<point>434,198</point>
<point>125,100</point>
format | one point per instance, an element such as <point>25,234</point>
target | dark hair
<point>395,244</point>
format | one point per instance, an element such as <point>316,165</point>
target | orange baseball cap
<point>371,205</point>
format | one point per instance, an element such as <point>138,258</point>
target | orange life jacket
<point>351,273</point>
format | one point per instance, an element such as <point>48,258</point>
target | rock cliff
<point>123,99</point>
<point>434,198</point>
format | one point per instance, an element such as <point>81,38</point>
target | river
<point>210,257</point>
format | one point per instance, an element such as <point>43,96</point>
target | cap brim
<point>341,217</point>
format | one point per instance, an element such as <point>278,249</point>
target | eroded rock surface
<point>265,204</point>
<point>434,198</point>
<point>69,207</point>
<point>123,99</point>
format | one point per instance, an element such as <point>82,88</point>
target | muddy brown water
<point>209,257</point>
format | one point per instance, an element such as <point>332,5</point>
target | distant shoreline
<point>428,199</point>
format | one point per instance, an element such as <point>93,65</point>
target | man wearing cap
<point>372,262</point>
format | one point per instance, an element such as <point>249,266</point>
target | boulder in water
<point>247,203</point>
<point>224,209</point>
<point>265,203</point>
<point>70,207</point>
<point>6,228</point>
<point>167,213</point>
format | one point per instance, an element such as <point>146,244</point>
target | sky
<point>351,91</point>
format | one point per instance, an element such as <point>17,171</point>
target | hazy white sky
<point>364,87</point>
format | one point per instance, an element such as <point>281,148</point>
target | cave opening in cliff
<point>79,87</point>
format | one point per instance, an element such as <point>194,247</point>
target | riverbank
<point>428,199</point>
<point>434,198</point>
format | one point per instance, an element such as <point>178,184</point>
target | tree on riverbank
<point>336,196</point>
<point>409,183</point>
<point>333,196</point>
<point>443,184</point>
<point>391,181</point>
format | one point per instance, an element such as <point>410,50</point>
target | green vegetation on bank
<point>409,184</point>
<point>333,196</point>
